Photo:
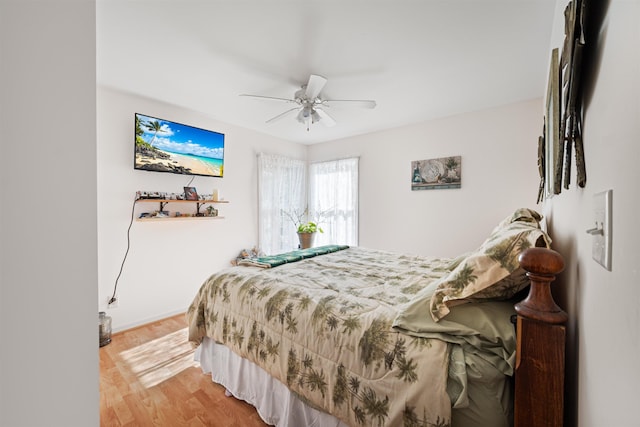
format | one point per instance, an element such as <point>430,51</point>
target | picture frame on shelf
<point>190,193</point>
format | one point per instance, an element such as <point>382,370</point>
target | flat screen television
<point>165,146</point>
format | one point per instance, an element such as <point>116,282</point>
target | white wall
<point>604,326</point>
<point>48,261</point>
<point>168,261</point>
<point>499,174</point>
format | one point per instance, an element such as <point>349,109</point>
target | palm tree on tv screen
<point>156,127</point>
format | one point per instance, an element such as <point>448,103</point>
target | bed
<point>351,336</point>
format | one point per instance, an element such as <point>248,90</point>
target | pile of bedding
<point>373,337</point>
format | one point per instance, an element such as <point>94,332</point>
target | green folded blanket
<point>289,257</point>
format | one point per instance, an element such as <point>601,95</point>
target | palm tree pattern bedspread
<point>323,327</point>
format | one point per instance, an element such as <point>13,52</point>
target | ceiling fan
<point>311,106</point>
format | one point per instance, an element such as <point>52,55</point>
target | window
<point>282,194</point>
<point>333,197</point>
<point>281,188</point>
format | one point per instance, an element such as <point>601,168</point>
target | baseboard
<point>143,322</point>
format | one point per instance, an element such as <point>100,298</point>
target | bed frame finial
<point>541,338</point>
<point>542,265</point>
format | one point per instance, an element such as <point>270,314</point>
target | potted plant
<point>306,230</point>
<point>306,233</point>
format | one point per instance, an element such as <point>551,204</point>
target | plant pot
<point>306,240</point>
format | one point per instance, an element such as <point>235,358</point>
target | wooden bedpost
<point>539,375</point>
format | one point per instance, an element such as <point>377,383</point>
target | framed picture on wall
<point>433,174</point>
<point>541,166</point>
<point>553,147</point>
<point>571,115</point>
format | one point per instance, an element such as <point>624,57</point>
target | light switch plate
<point>601,250</point>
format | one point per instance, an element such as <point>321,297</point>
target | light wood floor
<point>148,378</point>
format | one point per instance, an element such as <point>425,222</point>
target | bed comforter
<point>324,326</point>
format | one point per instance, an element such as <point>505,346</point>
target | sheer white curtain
<point>282,185</point>
<point>333,195</point>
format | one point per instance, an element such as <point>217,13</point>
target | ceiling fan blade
<point>325,118</point>
<point>361,103</point>
<point>268,97</point>
<point>315,85</point>
<point>281,115</point>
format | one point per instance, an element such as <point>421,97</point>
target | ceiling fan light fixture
<point>303,116</point>
<point>315,117</point>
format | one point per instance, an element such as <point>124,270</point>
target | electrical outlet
<point>601,245</point>
<point>113,304</point>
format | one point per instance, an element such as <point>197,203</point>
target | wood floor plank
<point>148,378</point>
<point>109,417</point>
<point>141,410</point>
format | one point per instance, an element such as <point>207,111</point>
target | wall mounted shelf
<point>162,203</point>
<point>178,218</point>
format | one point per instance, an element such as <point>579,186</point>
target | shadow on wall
<point>567,293</point>
<point>595,28</point>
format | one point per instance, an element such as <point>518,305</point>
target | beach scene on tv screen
<point>165,146</point>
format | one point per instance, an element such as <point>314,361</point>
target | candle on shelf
<point>214,195</point>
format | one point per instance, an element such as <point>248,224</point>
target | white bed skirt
<point>277,406</point>
<point>245,380</point>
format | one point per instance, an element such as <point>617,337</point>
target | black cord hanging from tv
<point>115,287</point>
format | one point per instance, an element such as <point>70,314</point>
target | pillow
<point>484,328</point>
<point>493,271</point>
<point>247,254</point>
<point>520,215</point>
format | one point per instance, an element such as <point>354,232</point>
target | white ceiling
<point>418,60</point>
